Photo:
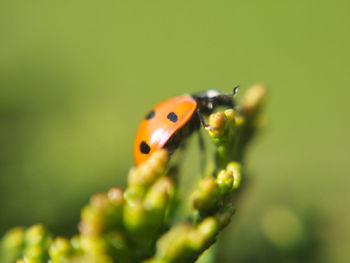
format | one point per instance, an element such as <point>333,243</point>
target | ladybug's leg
<point>205,125</point>
<point>202,154</point>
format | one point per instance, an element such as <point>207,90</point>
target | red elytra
<point>169,123</point>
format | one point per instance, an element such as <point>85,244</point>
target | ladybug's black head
<point>210,99</point>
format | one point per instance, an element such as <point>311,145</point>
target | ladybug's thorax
<point>208,100</point>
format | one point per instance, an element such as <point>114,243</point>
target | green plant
<point>139,224</point>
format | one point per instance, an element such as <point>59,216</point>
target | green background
<point>76,77</point>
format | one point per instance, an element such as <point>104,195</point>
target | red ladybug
<point>170,122</point>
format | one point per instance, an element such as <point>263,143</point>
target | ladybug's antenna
<point>235,90</point>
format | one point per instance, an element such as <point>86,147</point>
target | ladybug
<point>169,123</point>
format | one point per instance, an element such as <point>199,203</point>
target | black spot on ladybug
<point>172,117</point>
<point>150,115</point>
<point>144,147</point>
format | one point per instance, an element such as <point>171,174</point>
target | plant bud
<point>225,181</point>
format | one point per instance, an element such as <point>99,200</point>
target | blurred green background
<point>76,77</point>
